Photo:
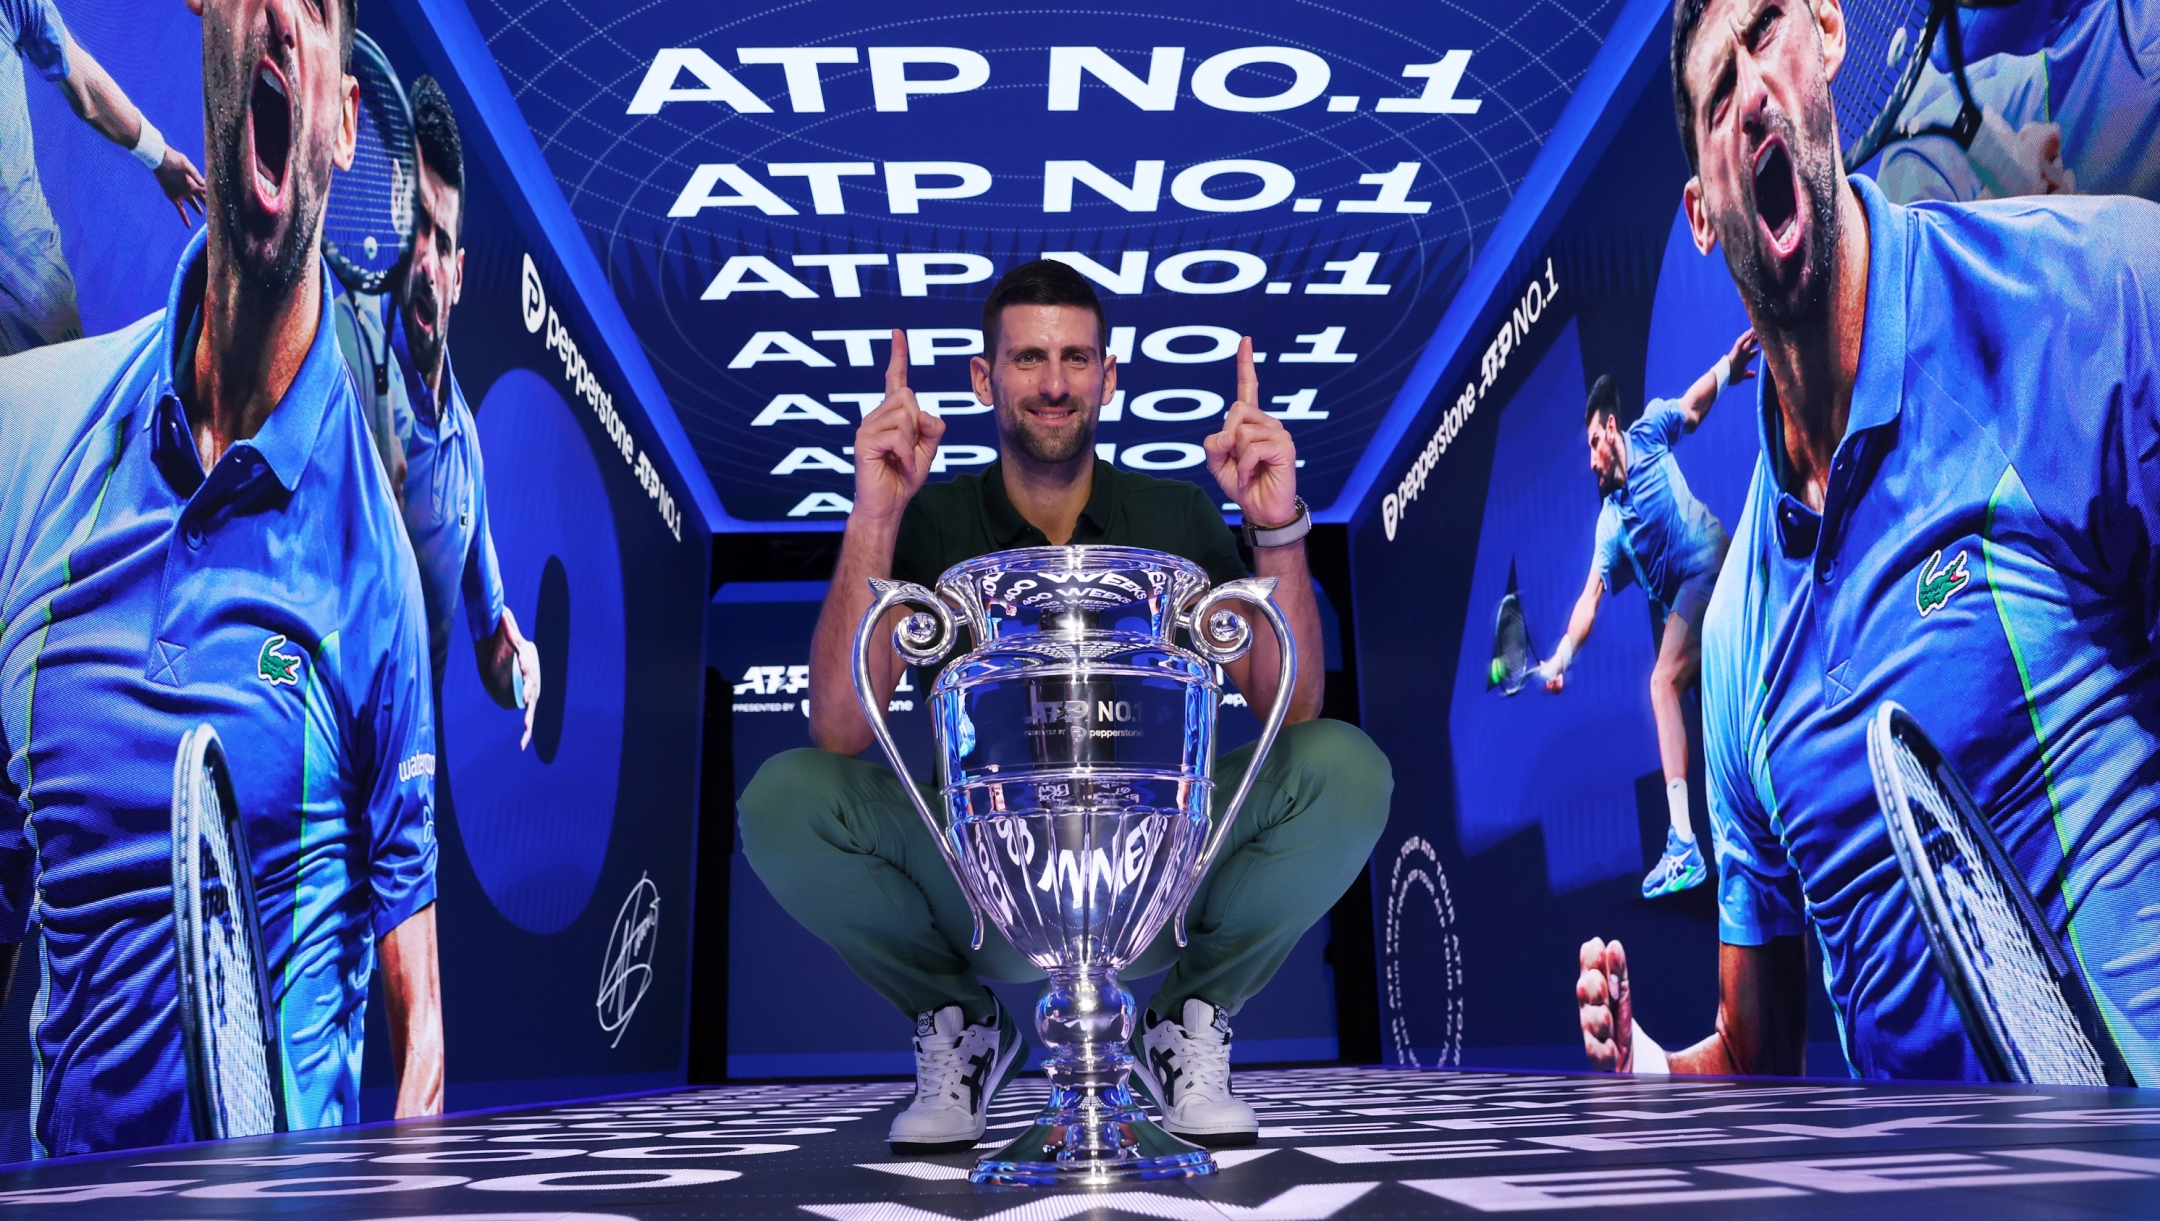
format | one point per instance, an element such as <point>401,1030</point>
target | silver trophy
<point>1076,766</point>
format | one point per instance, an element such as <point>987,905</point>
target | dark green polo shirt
<point>971,516</point>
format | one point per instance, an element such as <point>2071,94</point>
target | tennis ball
<point>1497,674</point>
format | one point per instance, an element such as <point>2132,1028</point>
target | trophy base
<point>1046,1155</point>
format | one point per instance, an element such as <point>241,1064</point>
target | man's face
<point>280,113</point>
<point>1766,135</point>
<point>1607,461</point>
<point>1048,377</point>
<point>437,271</point>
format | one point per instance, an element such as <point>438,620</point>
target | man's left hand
<point>182,183</point>
<point>1253,457</point>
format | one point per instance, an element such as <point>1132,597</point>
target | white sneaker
<point>958,1069</point>
<point>1185,1068</point>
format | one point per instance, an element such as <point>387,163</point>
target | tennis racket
<point>1887,45</point>
<point>1514,660</point>
<point>229,1027</point>
<point>2024,1008</point>
<point>368,223</point>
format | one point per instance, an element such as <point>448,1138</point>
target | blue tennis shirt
<point>1988,556</point>
<point>273,597</point>
<point>1652,529</point>
<point>446,506</point>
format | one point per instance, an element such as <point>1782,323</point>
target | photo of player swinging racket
<point>199,533</point>
<point>37,288</point>
<point>401,364</point>
<point>1652,531</point>
<point>1955,510</point>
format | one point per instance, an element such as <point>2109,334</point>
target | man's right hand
<point>895,445</point>
<point>1608,1012</point>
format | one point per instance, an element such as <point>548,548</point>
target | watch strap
<point>1279,536</point>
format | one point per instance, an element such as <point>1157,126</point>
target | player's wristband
<point>1650,1059</point>
<point>149,145</point>
<point>1723,370</point>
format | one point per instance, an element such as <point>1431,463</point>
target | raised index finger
<point>1248,382</point>
<point>896,368</point>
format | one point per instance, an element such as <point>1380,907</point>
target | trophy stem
<point>1092,1131</point>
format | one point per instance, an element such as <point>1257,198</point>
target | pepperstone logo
<point>1933,589</point>
<point>278,668</point>
<point>534,298</point>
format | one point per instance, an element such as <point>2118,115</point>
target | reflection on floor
<point>1337,1144</point>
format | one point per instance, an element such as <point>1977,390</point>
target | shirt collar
<point>416,391</point>
<point>1007,525</point>
<point>288,436</point>
<point>1879,387</point>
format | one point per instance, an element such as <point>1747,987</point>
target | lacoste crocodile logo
<point>279,669</point>
<point>1938,581</point>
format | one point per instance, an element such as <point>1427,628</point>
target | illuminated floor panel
<point>1335,1145</point>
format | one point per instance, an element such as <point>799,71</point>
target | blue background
<point>575,64</point>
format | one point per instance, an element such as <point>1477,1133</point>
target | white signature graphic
<point>626,972</point>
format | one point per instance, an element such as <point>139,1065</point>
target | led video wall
<point>350,643</point>
<point>1769,642</point>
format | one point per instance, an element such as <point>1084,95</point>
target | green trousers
<point>839,845</point>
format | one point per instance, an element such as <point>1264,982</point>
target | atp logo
<point>275,666</point>
<point>1938,581</point>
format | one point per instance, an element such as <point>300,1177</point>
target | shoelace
<point>938,1069</point>
<point>1206,1064</point>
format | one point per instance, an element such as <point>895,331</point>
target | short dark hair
<point>351,9</point>
<point>1604,400</point>
<point>1687,15</point>
<point>435,130</point>
<point>1042,282</point>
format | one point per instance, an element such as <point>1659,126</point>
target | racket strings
<point>2013,978</point>
<point>1882,39</point>
<point>234,1053</point>
<point>370,213</point>
<point>1511,643</point>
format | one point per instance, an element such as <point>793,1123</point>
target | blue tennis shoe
<point>1680,868</point>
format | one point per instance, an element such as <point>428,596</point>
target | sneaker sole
<point>1144,1081</point>
<point>1217,1140</point>
<point>1686,881</point>
<point>1001,1075</point>
<point>919,1150</point>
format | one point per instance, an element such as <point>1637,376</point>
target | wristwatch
<point>1278,536</point>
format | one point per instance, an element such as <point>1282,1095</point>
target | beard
<point>1772,293</point>
<point>269,250</point>
<point>1042,445</point>
<point>425,346</point>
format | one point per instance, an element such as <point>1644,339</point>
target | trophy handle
<point>915,642</point>
<point>1222,635</point>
